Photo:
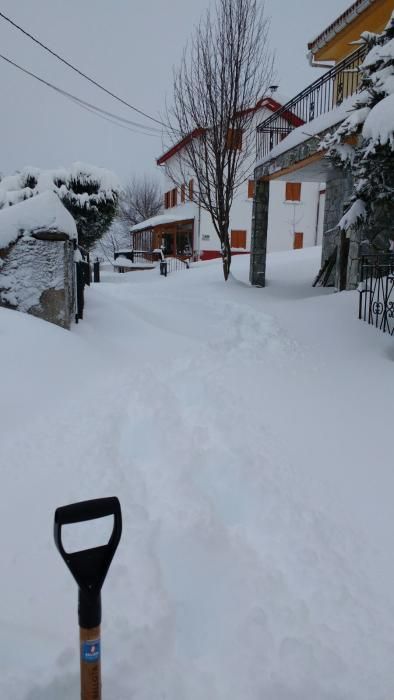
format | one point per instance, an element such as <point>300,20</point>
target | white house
<point>185,229</point>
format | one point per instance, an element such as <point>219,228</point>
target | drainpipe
<point>199,232</point>
<point>318,214</point>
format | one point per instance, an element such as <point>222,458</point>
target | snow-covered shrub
<point>371,158</point>
<point>90,194</point>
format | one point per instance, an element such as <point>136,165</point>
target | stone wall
<point>38,277</point>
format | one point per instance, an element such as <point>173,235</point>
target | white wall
<point>285,218</point>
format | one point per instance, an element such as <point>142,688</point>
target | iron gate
<point>376,301</point>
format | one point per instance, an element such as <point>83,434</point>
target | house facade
<point>290,153</point>
<point>185,229</point>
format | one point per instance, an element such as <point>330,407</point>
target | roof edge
<point>268,102</point>
<point>335,27</point>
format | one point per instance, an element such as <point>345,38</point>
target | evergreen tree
<point>371,160</point>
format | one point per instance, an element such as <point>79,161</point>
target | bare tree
<point>225,71</point>
<point>115,238</point>
<point>141,199</point>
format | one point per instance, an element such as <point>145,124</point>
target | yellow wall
<point>373,19</point>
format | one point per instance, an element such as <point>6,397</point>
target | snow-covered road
<point>247,435</point>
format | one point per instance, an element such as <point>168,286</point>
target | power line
<point>74,68</point>
<point>143,129</point>
<point>112,121</point>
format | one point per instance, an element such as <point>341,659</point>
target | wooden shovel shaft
<point>90,654</point>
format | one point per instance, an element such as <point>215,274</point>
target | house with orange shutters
<point>290,153</point>
<point>185,229</point>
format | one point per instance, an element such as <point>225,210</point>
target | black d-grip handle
<point>89,567</point>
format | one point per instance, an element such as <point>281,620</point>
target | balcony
<point>325,95</point>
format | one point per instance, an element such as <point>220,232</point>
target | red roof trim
<point>267,102</point>
<point>178,146</point>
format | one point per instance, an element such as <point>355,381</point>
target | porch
<point>292,153</point>
<point>170,233</point>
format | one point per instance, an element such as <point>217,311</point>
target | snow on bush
<point>89,193</point>
<point>353,215</point>
<point>379,125</point>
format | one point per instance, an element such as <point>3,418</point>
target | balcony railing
<point>322,96</point>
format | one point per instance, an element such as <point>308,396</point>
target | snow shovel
<point>89,568</point>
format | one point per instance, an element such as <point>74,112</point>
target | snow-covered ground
<point>248,435</point>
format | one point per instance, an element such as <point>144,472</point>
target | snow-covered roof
<point>183,213</point>
<point>44,212</point>
<point>309,130</point>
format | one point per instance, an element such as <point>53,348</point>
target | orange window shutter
<point>191,190</point>
<point>298,241</point>
<point>238,238</point>
<point>183,188</point>
<point>251,189</point>
<point>293,191</point>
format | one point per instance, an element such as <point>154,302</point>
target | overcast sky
<point>130,46</point>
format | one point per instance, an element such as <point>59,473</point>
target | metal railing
<point>322,96</point>
<point>171,264</point>
<point>376,300</point>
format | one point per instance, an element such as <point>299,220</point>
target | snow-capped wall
<point>37,239</point>
<point>45,212</point>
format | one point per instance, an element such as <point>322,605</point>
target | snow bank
<point>257,502</point>
<point>121,261</point>
<point>45,212</point>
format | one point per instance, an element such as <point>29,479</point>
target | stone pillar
<point>338,193</point>
<point>258,245</point>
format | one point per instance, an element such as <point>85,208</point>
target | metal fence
<point>322,96</point>
<point>376,301</point>
<point>82,278</point>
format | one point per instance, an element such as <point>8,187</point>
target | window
<point>238,239</point>
<point>293,191</point>
<point>234,139</point>
<point>191,190</point>
<point>174,197</point>
<point>251,188</point>
<point>298,241</point>
<point>167,202</point>
<point>183,193</point>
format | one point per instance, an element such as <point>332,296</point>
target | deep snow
<point>247,433</point>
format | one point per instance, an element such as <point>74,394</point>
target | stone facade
<point>38,277</point>
<point>258,253</point>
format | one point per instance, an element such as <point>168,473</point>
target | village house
<point>290,153</point>
<point>186,230</point>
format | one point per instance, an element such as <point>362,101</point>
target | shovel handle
<point>87,510</point>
